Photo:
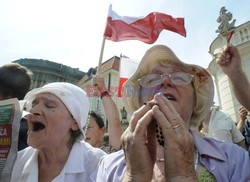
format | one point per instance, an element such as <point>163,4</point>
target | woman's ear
<point>103,130</point>
<point>74,126</point>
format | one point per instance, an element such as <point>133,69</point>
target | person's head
<point>15,81</point>
<point>95,130</point>
<point>59,111</point>
<point>188,87</point>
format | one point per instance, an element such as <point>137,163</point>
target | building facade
<point>45,71</point>
<point>226,97</point>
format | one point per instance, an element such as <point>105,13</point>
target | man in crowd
<point>15,82</point>
<point>218,124</point>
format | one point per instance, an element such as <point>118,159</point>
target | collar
<point>208,146</point>
<point>30,169</point>
<point>74,164</point>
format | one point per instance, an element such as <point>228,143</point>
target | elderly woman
<point>158,144</point>
<point>55,131</point>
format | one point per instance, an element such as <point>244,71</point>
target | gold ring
<point>176,126</point>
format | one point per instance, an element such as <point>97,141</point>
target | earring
<point>159,136</point>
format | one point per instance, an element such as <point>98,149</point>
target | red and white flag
<point>146,29</point>
<point>127,69</point>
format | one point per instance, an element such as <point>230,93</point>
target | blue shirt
<point>226,161</point>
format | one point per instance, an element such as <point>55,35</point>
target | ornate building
<point>46,71</point>
<point>240,39</point>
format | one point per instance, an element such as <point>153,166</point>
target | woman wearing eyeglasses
<point>158,145</point>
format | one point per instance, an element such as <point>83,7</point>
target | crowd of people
<point>174,134</point>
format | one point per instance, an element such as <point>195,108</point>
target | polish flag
<point>146,29</point>
<point>127,69</point>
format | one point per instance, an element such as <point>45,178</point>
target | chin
<point>33,143</point>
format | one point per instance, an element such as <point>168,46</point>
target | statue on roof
<point>224,19</point>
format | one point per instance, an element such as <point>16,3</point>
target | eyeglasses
<point>177,78</point>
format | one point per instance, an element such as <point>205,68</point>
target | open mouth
<point>37,126</point>
<point>170,97</point>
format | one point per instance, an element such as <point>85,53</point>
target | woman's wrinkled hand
<point>178,142</point>
<point>139,146</point>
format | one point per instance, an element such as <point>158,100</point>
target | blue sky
<point>71,31</point>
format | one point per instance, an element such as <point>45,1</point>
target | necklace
<point>195,162</point>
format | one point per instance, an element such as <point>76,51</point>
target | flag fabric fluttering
<point>127,69</point>
<point>146,29</point>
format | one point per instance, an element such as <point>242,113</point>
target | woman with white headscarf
<point>57,152</point>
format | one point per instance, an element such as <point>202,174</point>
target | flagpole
<point>101,55</point>
<point>99,64</point>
